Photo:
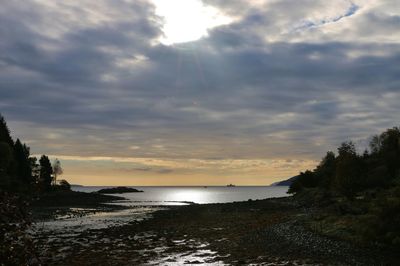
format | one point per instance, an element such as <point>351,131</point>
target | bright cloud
<point>187,20</point>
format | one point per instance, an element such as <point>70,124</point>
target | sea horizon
<point>165,195</point>
<point>77,185</point>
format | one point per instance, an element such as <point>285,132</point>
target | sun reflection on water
<point>191,195</point>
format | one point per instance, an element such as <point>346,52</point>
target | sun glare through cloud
<point>187,20</point>
<point>193,92</point>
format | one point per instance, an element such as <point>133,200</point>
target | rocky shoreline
<point>261,232</point>
<point>71,203</point>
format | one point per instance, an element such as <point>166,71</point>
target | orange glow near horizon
<point>104,171</point>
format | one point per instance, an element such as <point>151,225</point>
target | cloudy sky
<point>190,92</point>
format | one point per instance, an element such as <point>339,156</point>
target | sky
<point>191,92</point>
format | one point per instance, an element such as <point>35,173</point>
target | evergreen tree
<point>46,171</point>
<point>5,160</point>
<point>325,171</point>
<point>349,171</point>
<point>24,170</point>
<point>18,171</point>
<point>5,132</point>
<point>35,169</point>
<point>390,151</point>
<point>308,179</point>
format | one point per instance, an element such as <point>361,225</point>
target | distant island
<point>286,182</point>
<point>231,185</point>
<point>118,190</point>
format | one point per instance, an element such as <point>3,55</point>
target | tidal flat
<point>259,232</point>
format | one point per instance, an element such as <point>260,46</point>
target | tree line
<point>22,172</point>
<point>349,173</point>
<point>360,190</point>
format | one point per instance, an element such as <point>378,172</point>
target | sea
<point>187,195</point>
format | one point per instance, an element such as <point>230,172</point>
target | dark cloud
<point>145,169</point>
<point>105,84</point>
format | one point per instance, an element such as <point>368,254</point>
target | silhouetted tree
<point>388,151</point>
<point>384,159</point>
<point>57,170</point>
<point>304,180</point>
<point>8,171</point>
<point>46,171</point>
<point>295,187</point>
<point>349,173</point>
<point>35,169</point>
<point>347,149</point>
<point>19,172</point>
<point>325,171</point>
<point>24,170</point>
<point>348,176</point>
<point>5,132</point>
<point>375,144</point>
<point>6,156</point>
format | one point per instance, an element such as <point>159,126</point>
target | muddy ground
<point>261,232</point>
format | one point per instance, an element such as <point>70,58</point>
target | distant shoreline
<point>200,186</point>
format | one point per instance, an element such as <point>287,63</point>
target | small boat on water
<point>231,185</point>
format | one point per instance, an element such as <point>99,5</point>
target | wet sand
<point>262,232</point>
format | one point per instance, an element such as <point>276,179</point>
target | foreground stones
<point>265,232</point>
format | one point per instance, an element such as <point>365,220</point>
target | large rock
<point>118,190</point>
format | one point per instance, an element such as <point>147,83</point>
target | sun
<point>187,20</point>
